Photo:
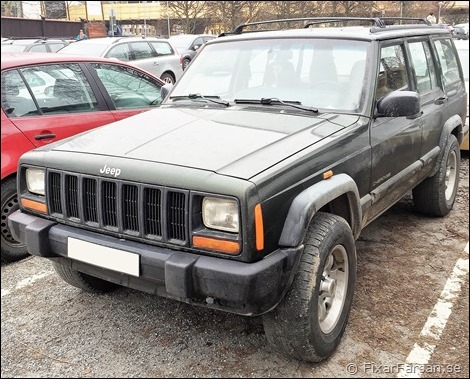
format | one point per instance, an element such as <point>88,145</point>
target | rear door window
<point>60,88</point>
<point>141,50</point>
<point>448,61</point>
<point>423,65</point>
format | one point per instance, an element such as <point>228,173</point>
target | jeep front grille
<point>115,206</point>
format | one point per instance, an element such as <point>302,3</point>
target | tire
<point>83,281</point>
<point>168,78</point>
<point>435,196</point>
<point>186,63</point>
<point>12,250</point>
<point>308,324</point>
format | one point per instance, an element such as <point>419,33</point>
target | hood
<point>234,142</point>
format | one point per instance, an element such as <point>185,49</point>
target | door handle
<point>156,63</point>
<point>44,136</point>
<point>441,100</point>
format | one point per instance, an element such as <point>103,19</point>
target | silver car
<point>155,55</point>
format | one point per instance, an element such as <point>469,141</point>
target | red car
<point>48,96</point>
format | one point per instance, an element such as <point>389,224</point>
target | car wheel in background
<point>186,63</point>
<point>12,250</point>
<point>168,78</point>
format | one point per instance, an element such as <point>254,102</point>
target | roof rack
<point>416,19</point>
<point>37,38</point>
<point>377,23</point>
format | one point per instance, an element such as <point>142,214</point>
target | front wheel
<point>309,322</point>
<point>436,195</point>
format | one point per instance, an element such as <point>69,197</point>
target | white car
<point>461,31</point>
<point>462,50</point>
<point>155,55</point>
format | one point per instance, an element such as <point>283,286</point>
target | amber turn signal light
<point>223,246</point>
<point>34,205</point>
<point>328,174</point>
<point>259,228</point>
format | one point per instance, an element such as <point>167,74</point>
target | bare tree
<point>228,14</point>
<point>55,9</point>
<point>11,9</point>
<point>191,13</point>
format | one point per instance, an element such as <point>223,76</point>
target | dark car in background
<point>48,97</point>
<point>38,45</point>
<point>188,44</point>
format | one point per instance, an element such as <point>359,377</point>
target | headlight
<point>221,214</point>
<point>35,181</point>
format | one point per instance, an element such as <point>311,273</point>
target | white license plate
<point>102,256</point>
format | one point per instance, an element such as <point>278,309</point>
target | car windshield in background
<point>182,42</point>
<point>84,48</point>
<point>7,48</point>
<point>316,73</point>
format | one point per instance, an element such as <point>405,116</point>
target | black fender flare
<point>454,122</point>
<point>308,202</point>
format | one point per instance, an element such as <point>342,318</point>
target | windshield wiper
<point>198,96</point>
<point>275,100</point>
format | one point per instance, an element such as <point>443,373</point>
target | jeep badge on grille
<point>111,171</point>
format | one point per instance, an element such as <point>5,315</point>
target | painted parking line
<point>26,282</point>
<point>418,359</point>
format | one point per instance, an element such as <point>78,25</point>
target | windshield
<point>13,48</point>
<point>317,73</point>
<point>84,48</point>
<point>181,42</point>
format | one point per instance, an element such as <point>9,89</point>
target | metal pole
<point>439,12</point>
<point>168,18</point>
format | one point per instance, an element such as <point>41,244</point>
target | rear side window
<point>162,48</point>
<point>423,66</point>
<point>448,61</point>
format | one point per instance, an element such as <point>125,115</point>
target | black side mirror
<point>399,104</point>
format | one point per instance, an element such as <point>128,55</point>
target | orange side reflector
<point>259,229</point>
<point>34,205</point>
<point>328,174</point>
<point>223,246</point>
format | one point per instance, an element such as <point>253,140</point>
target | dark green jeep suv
<point>246,190</point>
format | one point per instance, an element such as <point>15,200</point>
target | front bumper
<point>237,287</point>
